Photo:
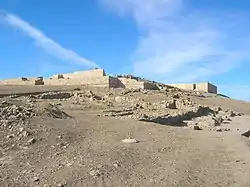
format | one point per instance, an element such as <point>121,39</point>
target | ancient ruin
<point>73,127</point>
<point>95,77</point>
<point>98,78</point>
<point>202,87</point>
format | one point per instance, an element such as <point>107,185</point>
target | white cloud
<point>179,43</point>
<point>48,44</point>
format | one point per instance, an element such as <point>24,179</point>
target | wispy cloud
<point>48,44</point>
<point>179,43</point>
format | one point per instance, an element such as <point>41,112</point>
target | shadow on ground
<point>178,120</point>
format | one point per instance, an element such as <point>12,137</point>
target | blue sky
<point>164,40</point>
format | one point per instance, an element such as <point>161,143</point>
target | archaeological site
<point>98,78</point>
<point>90,129</point>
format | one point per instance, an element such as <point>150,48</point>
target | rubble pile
<point>176,111</point>
<point>11,112</point>
<point>55,95</point>
<point>54,112</point>
<point>14,123</point>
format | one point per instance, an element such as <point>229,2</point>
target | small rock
<point>116,164</point>
<point>31,141</point>
<point>171,104</point>
<point>130,141</point>
<point>95,173</point>
<point>21,129</point>
<point>10,136</point>
<point>59,137</point>
<point>36,179</point>
<point>61,185</point>
<point>119,99</point>
<point>218,129</point>
<point>231,113</point>
<point>176,96</point>
<point>197,128</point>
<point>25,134</point>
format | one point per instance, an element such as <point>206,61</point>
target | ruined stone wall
<point>188,86</point>
<point>18,81</point>
<point>206,87</point>
<point>134,84</point>
<point>96,77</point>
<point>93,81</point>
<point>131,83</point>
<point>203,87</point>
<point>150,86</point>
<point>115,83</point>
<point>89,73</point>
<point>212,88</point>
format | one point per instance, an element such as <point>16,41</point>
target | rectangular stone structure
<point>206,87</point>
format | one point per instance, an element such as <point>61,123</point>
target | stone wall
<point>18,81</point>
<point>212,88</point>
<point>134,84</point>
<point>115,83</point>
<point>206,87</point>
<point>150,86</point>
<point>82,74</point>
<point>96,77</point>
<point>131,83</point>
<point>203,87</point>
<point>93,81</point>
<point>189,86</point>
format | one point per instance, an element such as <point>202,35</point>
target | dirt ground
<point>79,142</point>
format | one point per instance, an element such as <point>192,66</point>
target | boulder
<point>171,104</point>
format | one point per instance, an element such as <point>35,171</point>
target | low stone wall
<point>18,81</point>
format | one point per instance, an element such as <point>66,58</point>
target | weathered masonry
<point>202,87</point>
<point>95,77</point>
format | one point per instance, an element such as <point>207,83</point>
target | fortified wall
<point>98,78</point>
<point>202,87</point>
<point>95,77</point>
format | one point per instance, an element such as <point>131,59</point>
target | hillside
<point>74,136</point>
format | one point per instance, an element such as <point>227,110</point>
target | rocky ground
<point>119,137</point>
